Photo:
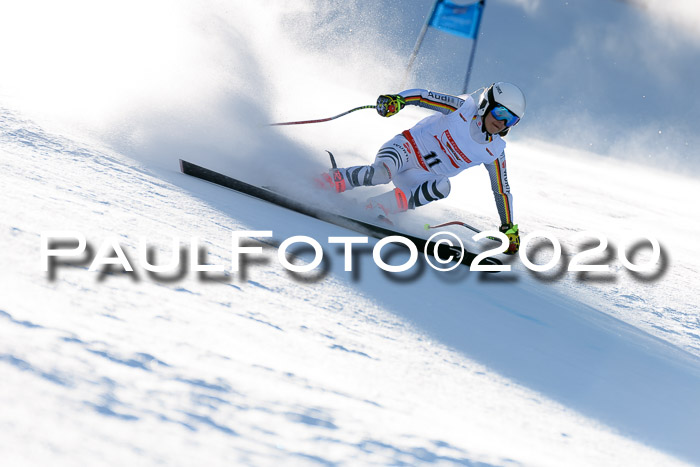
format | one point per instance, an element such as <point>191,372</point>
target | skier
<point>421,160</point>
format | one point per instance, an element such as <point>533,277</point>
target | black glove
<point>389,104</point>
<point>513,235</point>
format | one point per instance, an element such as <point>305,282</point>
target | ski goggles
<point>501,113</point>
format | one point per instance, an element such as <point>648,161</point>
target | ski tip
<point>182,169</point>
<point>333,164</point>
<point>426,226</point>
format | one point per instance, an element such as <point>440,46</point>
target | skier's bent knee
<point>429,191</point>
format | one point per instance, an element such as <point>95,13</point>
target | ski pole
<point>463,224</point>
<point>324,119</point>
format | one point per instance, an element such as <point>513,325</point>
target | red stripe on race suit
<point>452,161</point>
<point>409,137</point>
<point>456,148</point>
<point>442,148</point>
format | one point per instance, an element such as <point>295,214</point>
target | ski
<point>365,228</point>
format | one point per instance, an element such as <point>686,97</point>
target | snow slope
<point>262,367</point>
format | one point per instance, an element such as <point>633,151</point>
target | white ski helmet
<point>506,94</point>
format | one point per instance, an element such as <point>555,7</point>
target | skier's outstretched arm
<point>444,103</point>
<point>504,202</point>
<point>501,189</point>
<point>391,104</point>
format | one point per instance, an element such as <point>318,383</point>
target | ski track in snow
<point>262,368</point>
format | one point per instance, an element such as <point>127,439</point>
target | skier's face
<point>492,125</point>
